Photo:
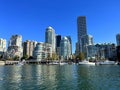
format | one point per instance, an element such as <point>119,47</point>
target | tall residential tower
<point>81,31</point>
<point>84,40</point>
<point>50,37</point>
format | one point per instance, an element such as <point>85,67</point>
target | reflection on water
<point>55,77</point>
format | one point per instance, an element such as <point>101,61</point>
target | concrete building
<point>2,46</point>
<point>106,51</point>
<point>28,47</point>
<point>65,48</point>
<point>42,51</point>
<point>118,39</point>
<point>15,47</point>
<point>50,38</point>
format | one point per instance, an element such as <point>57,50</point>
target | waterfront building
<point>106,51</point>
<point>15,47</point>
<point>58,39</point>
<point>2,46</point>
<point>86,40</point>
<point>65,48</point>
<point>118,39</point>
<point>50,37</point>
<point>42,51</point>
<point>28,47</point>
<point>91,52</point>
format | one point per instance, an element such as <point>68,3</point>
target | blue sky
<point>30,18</point>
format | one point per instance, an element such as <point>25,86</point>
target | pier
<point>7,62</point>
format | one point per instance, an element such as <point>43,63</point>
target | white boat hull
<point>86,63</point>
<point>106,63</point>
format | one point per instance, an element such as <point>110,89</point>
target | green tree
<point>54,56</point>
<point>25,57</point>
<point>16,57</point>
<point>80,56</point>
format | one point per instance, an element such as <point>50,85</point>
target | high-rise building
<point>15,47</point>
<point>69,38</point>
<point>82,31</point>
<point>58,39</point>
<point>81,26</point>
<point>65,48</point>
<point>28,47</point>
<point>118,39</point>
<point>50,37</point>
<point>15,40</point>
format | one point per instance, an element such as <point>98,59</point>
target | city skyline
<point>30,19</point>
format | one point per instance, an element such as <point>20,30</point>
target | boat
<point>62,63</point>
<point>106,62</point>
<point>21,62</point>
<point>2,62</point>
<point>85,62</point>
<point>54,63</point>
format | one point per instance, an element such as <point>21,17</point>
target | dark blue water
<point>55,77</point>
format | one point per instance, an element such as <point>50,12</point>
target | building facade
<point>81,26</point>
<point>69,38</point>
<point>118,39</point>
<point>2,47</point>
<point>106,51</point>
<point>15,47</point>
<point>82,31</point>
<point>65,48</point>
<point>58,39</point>
<point>42,51</point>
<point>28,47</point>
<point>50,38</point>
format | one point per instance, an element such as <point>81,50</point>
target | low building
<point>42,51</point>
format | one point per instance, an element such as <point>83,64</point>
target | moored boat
<point>106,62</point>
<point>86,63</point>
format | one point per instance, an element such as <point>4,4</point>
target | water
<point>55,77</point>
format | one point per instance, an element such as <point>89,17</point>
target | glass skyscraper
<point>82,31</point>
<point>81,26</point>
<point>58,39</point>
<point>50,37</point>
<point>65,48</point>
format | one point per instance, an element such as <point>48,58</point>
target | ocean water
<point>56,77</point>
